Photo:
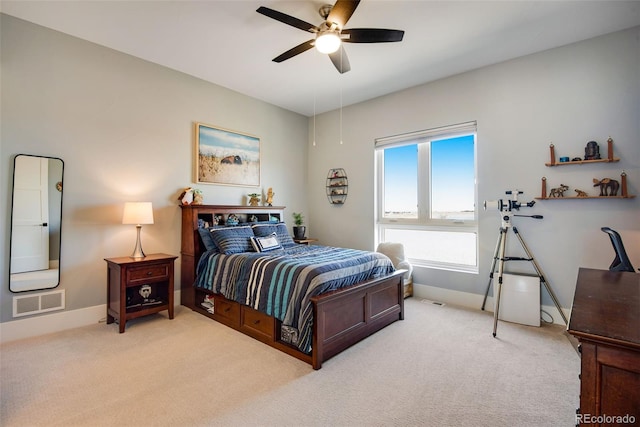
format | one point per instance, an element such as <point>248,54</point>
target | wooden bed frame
<point>341,318</point>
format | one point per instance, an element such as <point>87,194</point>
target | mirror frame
<point>59,186</point>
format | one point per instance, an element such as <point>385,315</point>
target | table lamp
<point>138,213</point>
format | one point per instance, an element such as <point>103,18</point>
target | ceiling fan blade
<point>342,11</point>
<point>287,19</point>
<point>371,35</point>
<point>340,60</point>
<point>302,47</point>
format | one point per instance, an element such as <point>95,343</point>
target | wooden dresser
<point>606,319</point>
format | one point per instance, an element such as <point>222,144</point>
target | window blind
<point>435,133</point>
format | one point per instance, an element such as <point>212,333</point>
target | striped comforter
<point>281,283</point>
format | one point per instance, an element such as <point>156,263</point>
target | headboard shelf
<point>191,244</point>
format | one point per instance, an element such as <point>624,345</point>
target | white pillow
<point>266,243</point>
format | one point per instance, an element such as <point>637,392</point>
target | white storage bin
<point>520,299</point>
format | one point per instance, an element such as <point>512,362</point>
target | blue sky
<point>223,143</point>
<point>452,175</point>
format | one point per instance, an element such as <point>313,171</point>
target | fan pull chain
<point>341,56</point>
<point>314,119</point>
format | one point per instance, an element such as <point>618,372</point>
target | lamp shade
<point>137,213</point>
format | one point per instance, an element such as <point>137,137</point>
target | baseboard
<point>56,322</point>
<point>469,300</point>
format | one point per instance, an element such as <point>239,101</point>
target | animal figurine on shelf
<point>559,191</point>
<point>608,186</point>
<point>186,198</point>
<point>191,196</point>
<point>581,193</point>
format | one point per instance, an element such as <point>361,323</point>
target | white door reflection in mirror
<point>35,223</point>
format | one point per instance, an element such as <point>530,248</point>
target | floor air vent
<point>25,305</point>
<point>427,301</point>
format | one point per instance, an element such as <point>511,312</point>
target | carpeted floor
<point>438,367</point>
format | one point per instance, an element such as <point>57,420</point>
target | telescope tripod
<point>499,259</point>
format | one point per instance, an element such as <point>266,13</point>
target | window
<point>426,196</point>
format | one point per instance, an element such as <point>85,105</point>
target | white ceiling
<point>230,44</point>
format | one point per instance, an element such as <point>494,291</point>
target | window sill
<point>454,268</point>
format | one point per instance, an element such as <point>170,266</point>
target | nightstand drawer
<point>147,273</point>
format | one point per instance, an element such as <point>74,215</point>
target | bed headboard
<point>191,246</point>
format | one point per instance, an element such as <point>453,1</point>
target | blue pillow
<point>207,240</point>
<point>266,243</point>
<point>232,240</point>
<point>262,230</point>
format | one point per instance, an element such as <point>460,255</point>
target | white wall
<point>124,128</point>
<point>568,96</point>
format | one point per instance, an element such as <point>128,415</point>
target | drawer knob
<point>227,309</point>
<point>256,322</point>
<point>149,273</point>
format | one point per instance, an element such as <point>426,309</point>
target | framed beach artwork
<point>226,157</point>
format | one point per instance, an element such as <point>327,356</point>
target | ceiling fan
<point>331,33</point>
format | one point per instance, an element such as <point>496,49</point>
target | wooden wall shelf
<point>608,159</point>
<point>623,192</point>
<point>583,198</point>
<point>580,162</point>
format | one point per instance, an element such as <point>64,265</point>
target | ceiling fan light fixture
<point>328,42</point>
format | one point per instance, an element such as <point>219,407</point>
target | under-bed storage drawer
<point>226,311</point>
<point>257,324</point>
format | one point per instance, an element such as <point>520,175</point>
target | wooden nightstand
<point>139,286</point>
<point>305,241</point>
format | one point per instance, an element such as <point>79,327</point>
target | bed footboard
<point>347,316</point>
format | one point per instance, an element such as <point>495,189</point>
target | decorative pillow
<point>266,243</point>
<point>207,240</point>
<point>262,230</point>
<point>232,240</point>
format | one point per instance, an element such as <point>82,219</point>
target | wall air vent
<point>25,305</point>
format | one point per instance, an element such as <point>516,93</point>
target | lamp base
<point>137,252</point>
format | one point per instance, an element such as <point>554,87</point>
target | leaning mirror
<point>36,215</point>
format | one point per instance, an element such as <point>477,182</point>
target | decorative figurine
<point>191,196</point>
<point>592,151</point>
<point>581,193</point>
<point>186,198</point>
<point>608,186</point>
<point>198,199</point>
<point>270,195</point>
<point>559,191</point>
<point>232,220</point>
<point>254,199</point>
<point>145,292</point>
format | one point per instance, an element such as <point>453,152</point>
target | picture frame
<point>226,157</point>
